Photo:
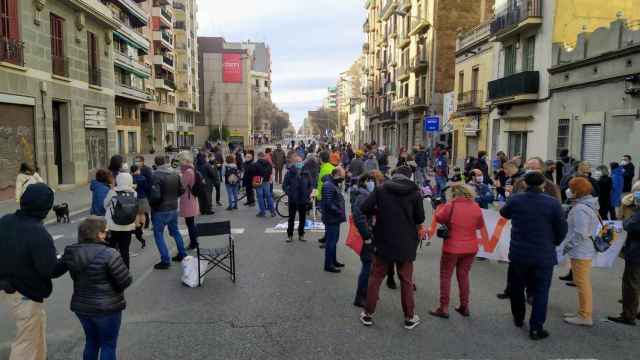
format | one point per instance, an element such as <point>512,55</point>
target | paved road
<point>285,307</point>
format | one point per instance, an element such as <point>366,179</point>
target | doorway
<point>57,137</point>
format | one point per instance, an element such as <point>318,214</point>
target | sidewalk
<point>78,198</point>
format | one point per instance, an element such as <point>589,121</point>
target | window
<point>132,113</point>
<point>118,112</point>
<point>133,142</point>
<point>518,144</point>
<point>529,54</point>
<point>121,142</point>
<point>592,143</point>
<point>461,82</point>
<point>257,83</point>
<point>509,60</point>
<point>94,60</point>
<point>563,136</point>
<point>475,75</point>
<point>10,44</point>
<point>58,61</point>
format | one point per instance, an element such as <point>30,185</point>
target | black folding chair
<point>223,258</point>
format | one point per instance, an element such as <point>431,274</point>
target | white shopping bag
<point>190,271</point>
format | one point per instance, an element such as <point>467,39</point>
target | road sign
<point>431,124</point>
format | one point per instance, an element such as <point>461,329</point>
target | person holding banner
<point>583,223</point>
<point>463,217</point>
<point>538,227</point>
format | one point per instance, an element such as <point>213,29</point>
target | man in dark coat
<point>629,173</point>
<point>399,212</point>
<point>333,214</point>
<point>250,169</point>
<point>279,159</point>
<point>27,264</point>
<point>298,186</point>
<point>538,226</point>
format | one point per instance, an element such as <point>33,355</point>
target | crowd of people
<point>549,204</point>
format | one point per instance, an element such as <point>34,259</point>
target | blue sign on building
<point>431,124</point>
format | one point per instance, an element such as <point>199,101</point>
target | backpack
<point>232,175</point>
<point>124,208</point>
<point>198,185</point>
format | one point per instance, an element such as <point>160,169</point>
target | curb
<point>73,213</point>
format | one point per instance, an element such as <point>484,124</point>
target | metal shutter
<point>592,144</point>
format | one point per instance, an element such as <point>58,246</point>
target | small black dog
<point>62,213</point>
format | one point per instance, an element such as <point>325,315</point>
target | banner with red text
<point>232,68</point>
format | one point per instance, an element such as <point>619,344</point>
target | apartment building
<point>56,89</point>
<point>132,69</point>
<point>225,91</point>
<point>186,56</point>
<point>158,117</point>
<point>260,55</point>
<point>524,32</point>
<point>473,70</point>
<point>595,95</point>
<point>410,63</point>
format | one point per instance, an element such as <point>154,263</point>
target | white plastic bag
<point>190,271</point>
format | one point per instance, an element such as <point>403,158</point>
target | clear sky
<point>311,42</point>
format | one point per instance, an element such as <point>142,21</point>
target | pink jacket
<point>466,219</point>
<point>188,202</point>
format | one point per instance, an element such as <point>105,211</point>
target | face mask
<point>569,194</point>
<point>299,165</point>
<point>624,162</point>
<point>597,174</point>
<point>371,186</point>
<point>479,179</point>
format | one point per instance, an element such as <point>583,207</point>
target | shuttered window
<point>529,53</point>
<point>94,59</point>
<point>10,44</point>
<point>509,60</point>
<point>563,136</point>
<point>592,144</point>
<point>57,46</point>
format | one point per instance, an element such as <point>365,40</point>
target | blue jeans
<point>363,278</point>
<point>159,220</point>
<point>441,183</point>
<point>332,235</point>
<point>232,194</point>
<point>101,332</point>
<point>265,198</point>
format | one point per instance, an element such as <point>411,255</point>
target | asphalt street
<point>284,306</point>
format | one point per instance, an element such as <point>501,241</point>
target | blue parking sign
<point>431,124</point>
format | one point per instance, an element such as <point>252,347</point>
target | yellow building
<point>474,68</point>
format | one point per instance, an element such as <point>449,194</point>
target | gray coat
<point>583,222</point>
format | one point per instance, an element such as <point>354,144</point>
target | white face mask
<point>479,179</point>
<point>624,162</point>
<point>569,194</point>
<point>597,174</point>
<point>371,186</point>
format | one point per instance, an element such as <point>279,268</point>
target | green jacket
<point>325,169</point>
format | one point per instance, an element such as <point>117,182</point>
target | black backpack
<point>125,208</point>
<point>198,185</point>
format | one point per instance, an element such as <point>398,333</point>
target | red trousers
<point>462,264</point>
<point>377,275</point>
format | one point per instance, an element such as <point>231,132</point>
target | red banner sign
<point>232,68</point>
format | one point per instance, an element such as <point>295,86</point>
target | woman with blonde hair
<point>189,207</point>
<point>463,218</point>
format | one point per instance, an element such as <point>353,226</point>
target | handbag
<point>443,229</point>
<point>605,236</point>
<point>354,239</point>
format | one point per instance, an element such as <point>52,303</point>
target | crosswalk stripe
<point>56,237</point>
<point>283,231</point>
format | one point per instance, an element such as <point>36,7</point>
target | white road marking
<point>237,231</point>
<point>284,231</point>
<point>79,220</point>
<point>56,237</point>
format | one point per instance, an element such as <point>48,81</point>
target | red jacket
<point>463,223</point>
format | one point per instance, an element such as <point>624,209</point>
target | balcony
<point>130,63</point>
<point>419,63</point>
<point>417,102</point>
<point>165,17</point>
<point>165,83</point>
<point>405,40</point>
<point>522,16</point>
<point>124,90</point>
<point>516,88</point>
<point>365,47</point>
<point>184,105</point>
<point>134,9</point>
<point>12,51</point>
<point>470,101</point>
<point>165,61</point>
<point>382,42</point>
<point>388,9</point>
<point>401,104</point>
<point>390,87</point>
<point>60,65</point>
<point>165,39</point>
<point>403,73</point>
<point>133,37</point>
<point>473,36</point>
<point>365,26</point>
<point>419,25</point>
<point>95,76</point>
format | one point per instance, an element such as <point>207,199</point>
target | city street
<point>284,306</point>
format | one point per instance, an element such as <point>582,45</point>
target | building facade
<point>473,70</point>
<point>410,47</point>
<point>595,95</point>
<point>158,117</point>
<point>225,90</point>
<point>186,57</point>
<point>56,89</point>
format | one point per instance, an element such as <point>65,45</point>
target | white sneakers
<point>577,320</point>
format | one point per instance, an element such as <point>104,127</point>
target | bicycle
<point>282,206</point>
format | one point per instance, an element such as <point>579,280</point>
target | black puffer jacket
<point>99,278</point>
<point>166,188</point>
<point>399,211</point>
